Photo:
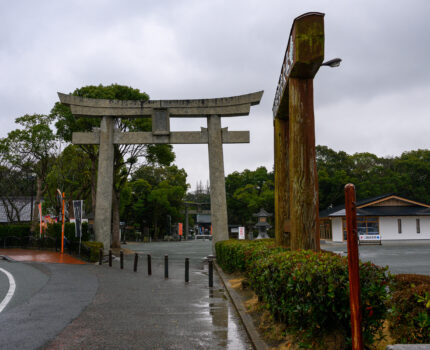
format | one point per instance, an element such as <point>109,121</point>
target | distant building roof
<point>262,213</point>
<point>385,205</point>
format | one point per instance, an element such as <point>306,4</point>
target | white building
<point>390,217</point>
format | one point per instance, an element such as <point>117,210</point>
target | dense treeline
<point>38,158</point>
<point>149,191</point>
<point>407,175</point>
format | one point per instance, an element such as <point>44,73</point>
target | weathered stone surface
<point>160,122</point>
<point>199,112</point>
<point>175,137</point>
<point>252,99</point>
<point>103,215</point>
<point>161,111</point>
<point>217,181</point>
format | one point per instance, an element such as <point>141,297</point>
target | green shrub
<point>409,317</point>
<point>237,255</point>
<point>95,249</point>
<point>54,231</point>
<point>18,230</point>
<point>309,291</point>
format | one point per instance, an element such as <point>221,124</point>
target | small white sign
<point>241,232</point>
<point>370,237</point>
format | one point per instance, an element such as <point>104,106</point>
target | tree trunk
<point>93,183</point>
<point>36,205</point>
<point>115,220</point>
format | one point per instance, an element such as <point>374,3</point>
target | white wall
<point>336,226</point>
<point>388,227</point>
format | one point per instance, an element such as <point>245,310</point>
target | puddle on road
<point>227,328</point>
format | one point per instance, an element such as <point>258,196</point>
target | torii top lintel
<point>223,107</point>
<point>303,57</point>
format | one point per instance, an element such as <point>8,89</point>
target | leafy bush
<point>54,231</point>
<point>309,291</point>
<point>95,249</point>
<point>18,230</point>
<point>237,255</point>
<point>409,317</point>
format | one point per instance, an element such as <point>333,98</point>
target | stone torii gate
<point>296,179</point>
<point>161,111</point>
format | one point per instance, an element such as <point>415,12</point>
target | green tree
<point>32,149</point>
<point>126,156</point>
<point>156,193</point>
<point>72,173</point>
<point>246,193</point>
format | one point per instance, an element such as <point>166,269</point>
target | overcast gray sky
<point>378,100</point>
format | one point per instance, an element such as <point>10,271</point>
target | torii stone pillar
<point>296,179</point>
<point>103,214</point>
<point>217,180</point>
<point>161,111</point>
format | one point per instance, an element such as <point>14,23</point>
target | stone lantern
<point>262,223</point>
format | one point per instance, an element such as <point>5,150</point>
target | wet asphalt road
<point>399,256</point>
<point>97,307</point>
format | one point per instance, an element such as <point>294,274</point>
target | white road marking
<point>11,290</point>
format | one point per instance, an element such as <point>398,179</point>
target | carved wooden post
<point>296,179</point>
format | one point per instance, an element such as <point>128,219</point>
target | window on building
<point>399,225</point>
<point>418,226</point>
<point>366,225</point>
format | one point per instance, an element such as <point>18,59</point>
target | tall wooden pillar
<point>296,179</point>
<point>282,183</point>
<point>302,166</point>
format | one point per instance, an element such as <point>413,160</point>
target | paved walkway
<point>129,310</point>
<point>40,256</point>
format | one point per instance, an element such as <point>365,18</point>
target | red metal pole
<point>354,274</point>
<point>62,226</point>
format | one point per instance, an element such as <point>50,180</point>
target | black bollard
<point>136,257</point>
<point>166,266</point>
<point>211,273</point>
<point>101,256</point>
<point>110,257</point>
<point>187,269</point>
<point>149,265</point>
<point>121,259</point>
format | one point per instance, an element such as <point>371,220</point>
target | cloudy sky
<point>378,100</point>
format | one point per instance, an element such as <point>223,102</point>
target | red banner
<point>180,229</point>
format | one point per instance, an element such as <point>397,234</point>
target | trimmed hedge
<point>17,230</point>
<point>237,255</point>
<point>409,316</point>
<point>54,231</point>
<point>309,291</point>
<point>95,249</point>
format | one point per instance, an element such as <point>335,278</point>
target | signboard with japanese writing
<point>370,239</point>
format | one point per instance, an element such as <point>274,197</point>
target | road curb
<point>254,335</point>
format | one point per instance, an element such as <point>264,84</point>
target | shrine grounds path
<point>60,306</point>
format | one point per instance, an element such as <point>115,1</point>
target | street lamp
<point>335,62</point>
